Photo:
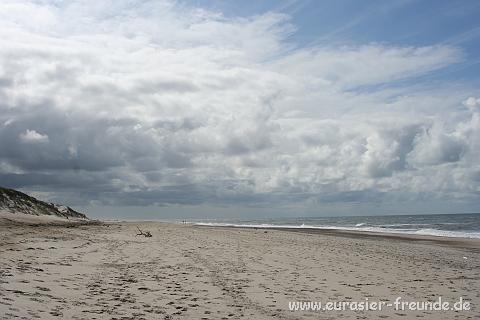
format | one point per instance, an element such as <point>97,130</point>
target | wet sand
<point>50,271</point>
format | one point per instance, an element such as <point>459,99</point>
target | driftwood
<point>146,234</point>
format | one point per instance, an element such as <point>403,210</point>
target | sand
<point>50,271</point>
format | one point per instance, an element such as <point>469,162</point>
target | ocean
<point>445,225</point>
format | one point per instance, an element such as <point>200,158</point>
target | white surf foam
<point>426,231</point>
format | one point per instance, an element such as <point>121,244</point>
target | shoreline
<point>458,242</point>
<point>45,221</point>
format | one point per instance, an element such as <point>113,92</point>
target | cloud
<point>156,103</point>
<point>32,136</point>
<point>435,146</point>
<point>372,64</point>
<point>387,151</point>
<point>472,102</point>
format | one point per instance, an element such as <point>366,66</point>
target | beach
<point>106,271</point>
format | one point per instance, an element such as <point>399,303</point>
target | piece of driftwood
<point>146,234</point>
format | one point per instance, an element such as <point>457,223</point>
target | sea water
<point>446,225</point>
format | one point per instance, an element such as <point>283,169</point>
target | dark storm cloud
<point>165,195</point>
<point>73,142</point>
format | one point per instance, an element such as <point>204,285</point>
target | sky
<point>194,109</point>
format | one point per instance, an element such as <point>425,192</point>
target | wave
<point>358,227</point>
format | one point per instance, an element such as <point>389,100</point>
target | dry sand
<point>187,272</point>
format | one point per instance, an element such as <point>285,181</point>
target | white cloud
<point>366,65</point>
<point>32,136</point>
<point>472,102</point>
